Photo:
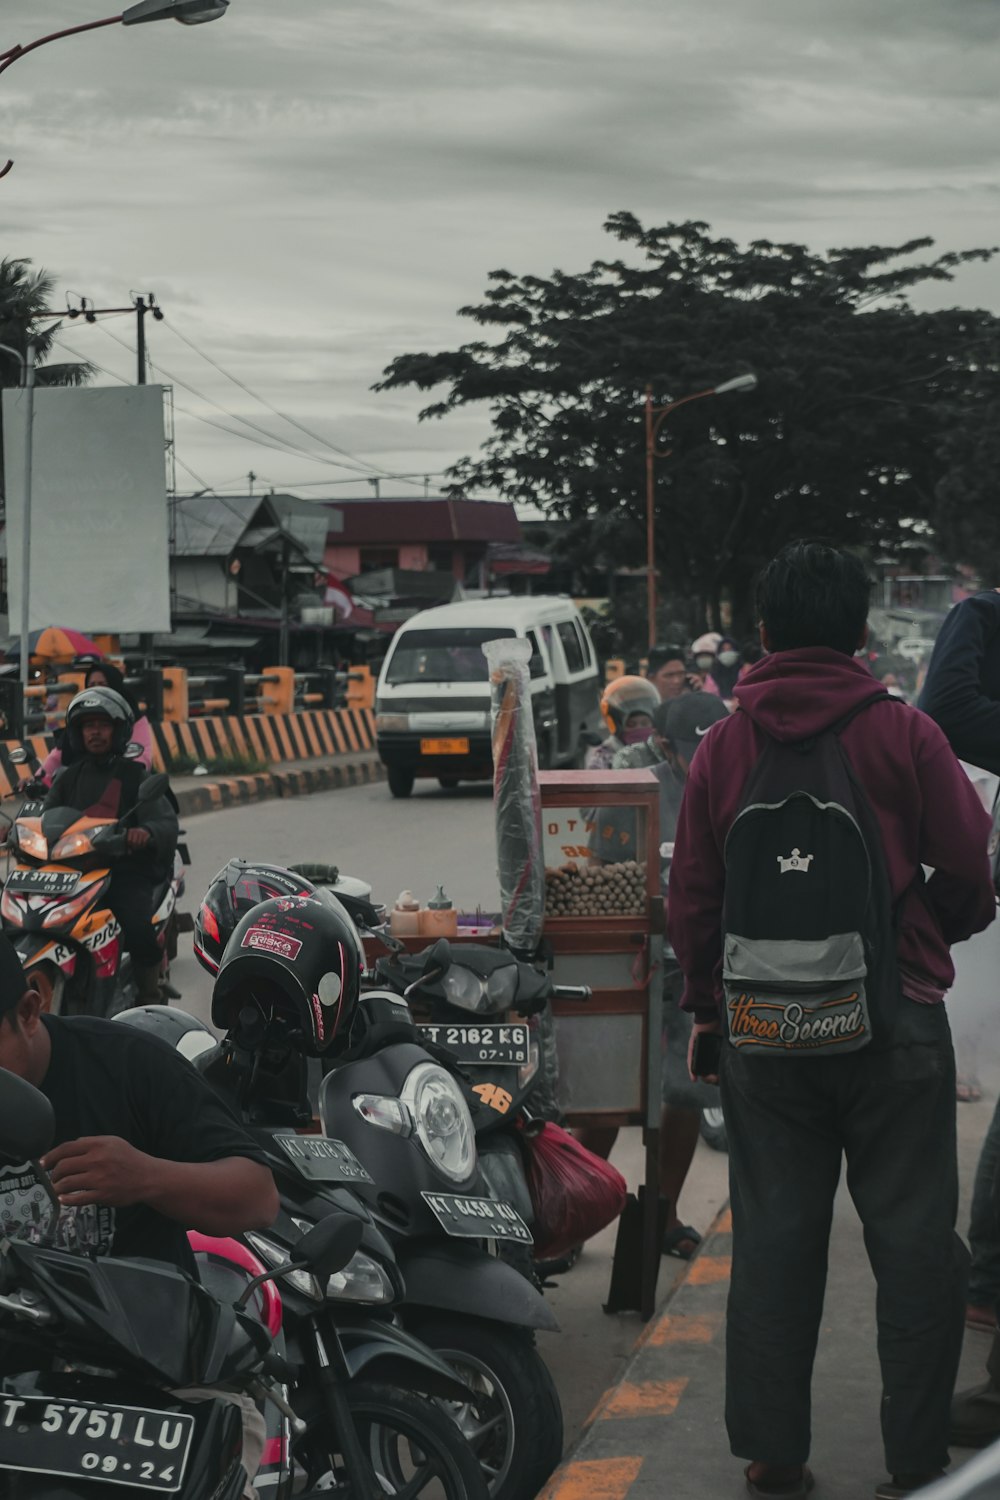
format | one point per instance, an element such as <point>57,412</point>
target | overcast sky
<point>311,187</point>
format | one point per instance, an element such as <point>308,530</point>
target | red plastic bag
<point>574,1193</point>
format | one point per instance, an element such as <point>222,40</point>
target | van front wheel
<point>400,781</point>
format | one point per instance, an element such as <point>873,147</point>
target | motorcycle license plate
<point>44,882</point>
<point>321,1159</point>
<point>477,1218</point>
<point>444,747</point>
<point>128,1445</point>
<point>478,1046</point>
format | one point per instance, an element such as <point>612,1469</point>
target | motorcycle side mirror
<point>153,787</point>
<point>27,1121</point>
<point>438,957</point>
<point>18,757</point>
<point>133,750</point>
<point>329,1245</point>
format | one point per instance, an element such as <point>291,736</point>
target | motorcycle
<point>101,1356</point>
<point>483,1005</point>
<point>52,908</point>
<point>395,1110</point>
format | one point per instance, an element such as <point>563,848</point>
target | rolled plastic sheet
<point>516,802</point>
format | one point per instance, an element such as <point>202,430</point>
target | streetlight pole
<point>188,12</point>
<point>27,361</point>
<point>655,418</point>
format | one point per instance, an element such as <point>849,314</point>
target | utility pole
<point>250,479</point>
<point>142,305</point>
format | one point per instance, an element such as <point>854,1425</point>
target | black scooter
<point>99,1353</point>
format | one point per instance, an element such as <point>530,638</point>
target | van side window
<point>536,666</point>
<point>588,655</point>
<point>571,645</point>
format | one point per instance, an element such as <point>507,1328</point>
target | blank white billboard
<point>98,529</point>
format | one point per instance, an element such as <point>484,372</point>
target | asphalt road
<point>433,838</point>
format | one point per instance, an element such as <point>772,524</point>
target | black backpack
<point>809,936</point>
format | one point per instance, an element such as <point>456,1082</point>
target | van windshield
<point>453,655</point>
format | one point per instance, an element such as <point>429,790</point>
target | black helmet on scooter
<point>237,888</point>
<point>291,970</point>
<point>167,1023</point>
<point>104,703</point>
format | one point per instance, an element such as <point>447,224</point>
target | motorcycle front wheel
<point>513,1421</point>
<point>414,1449</point>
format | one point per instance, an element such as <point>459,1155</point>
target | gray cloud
<point>313,188</point>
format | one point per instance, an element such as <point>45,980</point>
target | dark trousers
<point>891,1113</point>
<point>130,897</point>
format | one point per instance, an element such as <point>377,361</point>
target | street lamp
<point>655,417</point>
<point>27,362</point>
<point>188,12</point>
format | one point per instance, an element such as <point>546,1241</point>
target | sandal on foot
<point>797,1487</point>
<point>902,1485</point>
<point>967,1090</point>
<point>681,1241</point>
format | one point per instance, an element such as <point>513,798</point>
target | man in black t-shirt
<point>142,1145</point>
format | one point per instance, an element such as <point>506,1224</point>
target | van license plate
<point>477,1218</point>
<point>444,747</point>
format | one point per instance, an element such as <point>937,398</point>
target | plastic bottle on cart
<point>439,919</point>
<point>405,917</point>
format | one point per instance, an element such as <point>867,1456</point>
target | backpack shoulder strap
<point>859,708</point>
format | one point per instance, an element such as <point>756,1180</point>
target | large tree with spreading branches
<point>872,420</point>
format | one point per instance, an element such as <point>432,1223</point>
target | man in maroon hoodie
<point>890,1107</point>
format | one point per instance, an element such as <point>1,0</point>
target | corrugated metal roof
<point>215,525</point>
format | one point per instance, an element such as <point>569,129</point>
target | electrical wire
<point>280,444</point>
<point>292,421</point>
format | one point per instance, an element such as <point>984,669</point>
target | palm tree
<point>23,295</point>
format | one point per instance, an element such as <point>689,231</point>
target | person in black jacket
<point>103,783</point>
<point>962,693</point>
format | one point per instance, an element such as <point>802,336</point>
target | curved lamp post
<point>188,12</point>
<point>655,417</point>
<point>27,363</point>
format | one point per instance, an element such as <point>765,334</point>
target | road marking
<point>707,1270</point>
<point>593,1479</point>
<point>681,1328</point>
<point>651,1398</point>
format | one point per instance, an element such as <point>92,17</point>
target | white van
<point>432,703</point>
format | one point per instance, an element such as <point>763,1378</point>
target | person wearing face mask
<point>725,669</point>
<point>703,655</point>
<point>627,706</point>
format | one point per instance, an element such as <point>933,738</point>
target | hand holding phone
<point>706,1055</point>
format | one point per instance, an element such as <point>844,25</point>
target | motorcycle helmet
<point>623,698</point>
<point>99,702</point>
<point>182,1032</point>
<point>292,969</point>
<point>237,888</point>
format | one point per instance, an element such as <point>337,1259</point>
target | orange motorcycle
<point>55,912</point>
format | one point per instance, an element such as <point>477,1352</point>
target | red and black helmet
<point>292,969</point>
<point>236,889</point>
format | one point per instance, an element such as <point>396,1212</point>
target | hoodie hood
<point>792,695</point>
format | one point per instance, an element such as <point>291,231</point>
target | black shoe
<point>901,1485</point>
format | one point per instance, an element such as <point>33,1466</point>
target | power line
<point>281,444</point>
<point>292,421</point>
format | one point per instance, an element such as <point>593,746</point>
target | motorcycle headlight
<point>441,1119</point>
<point>276,1255</point>
<point>385,1111</point>
<point>361,1280</point>
<point>466,990</point>
<point>502,987</point>
<point>29,841</point>
<point>72,844</point>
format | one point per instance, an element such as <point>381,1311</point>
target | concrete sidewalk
<point>296,778</point>
<point>660,1431</point>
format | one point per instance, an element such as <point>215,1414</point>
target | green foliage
<point>870,418</point>
<point>23,295</point>
<point>219,765</point>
